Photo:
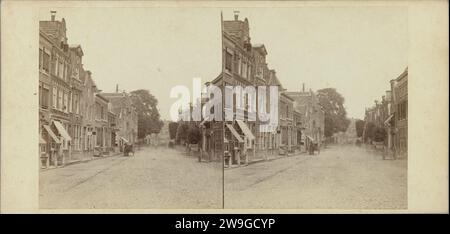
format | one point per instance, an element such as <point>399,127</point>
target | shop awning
<point>310,138</point>
<point>235,134</point>
<point>41,140</point>
<point>51,133</point>
<point>62,131</point>
<point>245,129</point>
<point>123,139</point>
<point>205,120</point>
<point>388,119</point>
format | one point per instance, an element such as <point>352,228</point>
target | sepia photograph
<point>108,134</point>
<point>208,106</point>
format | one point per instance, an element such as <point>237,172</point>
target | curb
<point>263,160</point>
<point>81,161</point>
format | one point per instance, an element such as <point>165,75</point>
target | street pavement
<point>340,177</point>
<point>153,179</point>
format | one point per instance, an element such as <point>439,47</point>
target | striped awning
<point>247,132</point>
<point>388,119</point>
<point>206,119</point>
<point>51,133</point>
<point>235,133</point>
<point>62,131</point>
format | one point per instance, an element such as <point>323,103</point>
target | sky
<point>356,50</point>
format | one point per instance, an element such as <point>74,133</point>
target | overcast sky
<point>356,50</point>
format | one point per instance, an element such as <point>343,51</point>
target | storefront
<point>52,147</point>
<point>234,145</point>
<point>249,140</point>
<point>66,141</point>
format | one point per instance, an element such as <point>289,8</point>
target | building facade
<point>75,121</point>
<point>102,128</point>
<point>88,113</point>
<point>126,118</point>
<point>399,89</point>
<point>76,92</point>
<point>54,91</point>
<point>391,114</point>
<point>310,124</point>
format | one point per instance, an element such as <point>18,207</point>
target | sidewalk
<point>270,157</point>
<point>83,158</point>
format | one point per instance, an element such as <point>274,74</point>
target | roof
<point>55,30</point>
<point>77,48</point>
<point>118,101</point>
<point>287,96</point>
<point>261,48</point>
<point>99,95</point>
<point>217,79</point>
<point>302,100</point>
<point>274,79</point>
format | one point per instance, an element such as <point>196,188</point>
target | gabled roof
<point>118,101</point>
<point>273,79</point>
<point>99,95</point>
<point>302,100</point>
<point>77,48</point>
<point>217,79</point>
<point>261,48</point>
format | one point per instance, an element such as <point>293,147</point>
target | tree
<point>359,125</point>
<point>194,135</point>
<point>369,132</point>
<point>182,132</point>
<point>173,126</point>
<point>332,103</point>
<point>379,134</point>
<point>148,115</point>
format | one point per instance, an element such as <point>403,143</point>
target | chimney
<point>303,87</point>
<point>236,15</point>
<point>117,88</point>
<point>53,14</point>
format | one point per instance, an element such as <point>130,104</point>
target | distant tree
<point>332,103</point>
<point>173,126</point>
<point>359,125</point>
<point>148,115</point>
<point>194,134</point>
<point>182,132</point>
<point>379,134</point>
<point>369,132</point>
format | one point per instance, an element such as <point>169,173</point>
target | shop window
<point>44,97</point>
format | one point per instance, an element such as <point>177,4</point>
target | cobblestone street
<point>153,178</point>
<point>341,177</point>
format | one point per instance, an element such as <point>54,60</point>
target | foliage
<point>332,103</point>
<point>173,126</point>
<point>182,132</point>
<point>194,135</point>
<point>369,132</point>
<point>359,125</point>
<point>379,134</point>
<point>148,115</point>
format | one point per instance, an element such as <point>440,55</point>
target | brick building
<point>311,123</point>
<point>88,112</point>
<point>399,89</point>
<point>54,92</point>
<point>75,121</point>
<point>391,114</point>
<point>76,90</point>
<point>126,118</point>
